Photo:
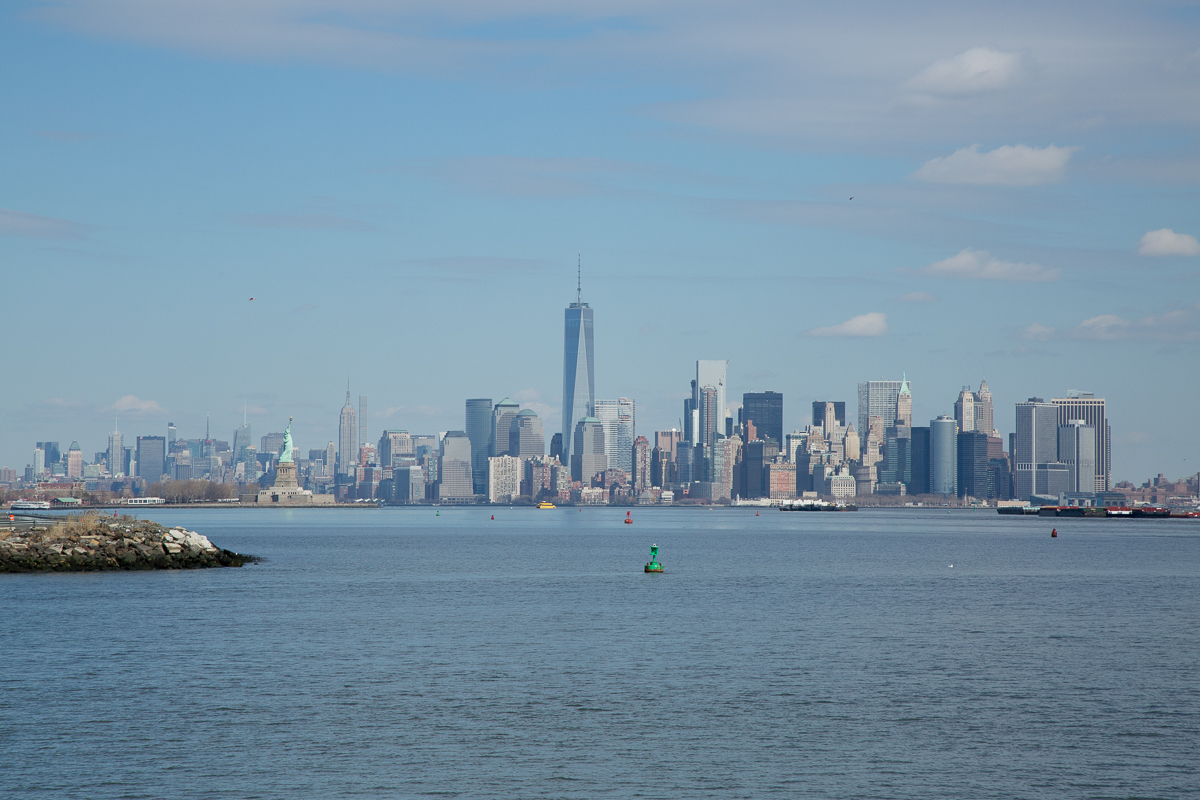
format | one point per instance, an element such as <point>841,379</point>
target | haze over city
<point>405,191</point>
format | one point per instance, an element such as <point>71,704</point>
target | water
<point>392,653</point>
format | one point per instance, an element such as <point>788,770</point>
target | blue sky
<point>404,187</point>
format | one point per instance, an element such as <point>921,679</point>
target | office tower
<point>878,399</point>
<point>641,464</point>
<point>964,410</point>
<point>608,412</point>
<point>1089,408</point>
<point>851,444</point>
<point>904,404</point>
<point>39,461</point>
<point>74,461</point>
<point>526,436</point>
<point>754,459</point>
<point>395,444</point>
<point>820,409</point>
<point>709,416</point>
<point>409,483</point>
<point>668,440</point>
<point>479,431</point>
<point>579,376</point>
<point>363,435</point>
<point>52,453</point>
<point>1077,449</point>
<point>984,413</point>
<point>556,447</point>
<point>1036,443</point>
<point>151,457</point>
<point>721,472</point>
<point>241,440</point>
<point>271,443</point>
<point>897,460</point>
<point>504,479</point>
<point>171,434</point>
<point>626,431</point>
<point>919,458</point>
<point>454,473</point>
<point>330,459</point>
<point>588,458</point>
<point>347,455</point>
<point>973,465</point>
<point>116,452</point>
<point>943,456</point>
<point>502,417</point>
<point>1051,479</point>
<point>711,373</point>
<point>765,410</point>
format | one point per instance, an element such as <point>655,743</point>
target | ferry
<point>30,505</point>
<point>816,505</point>
<point>544,504</point>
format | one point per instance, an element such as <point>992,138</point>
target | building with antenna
<point>347,456</point>
<point>579,369</point>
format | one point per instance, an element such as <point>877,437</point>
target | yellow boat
<point>544,504</point>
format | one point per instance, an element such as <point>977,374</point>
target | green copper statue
<point>286,456</point>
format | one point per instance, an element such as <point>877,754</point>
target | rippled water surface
<point>395,653</point>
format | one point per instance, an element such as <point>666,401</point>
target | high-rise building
<point>526,436</point>
<point>711,373</point>
<point>754,460</point>
<point>943,456</point>
<point>668,440</point>
<point>1077,449</point>
<point>271,443</point>
<point>556,447</point>
<point>641,464</point>
<point>151,457</point>
<point>502,417</point>
<point>479,431</point>
<point>897,455</point>
<point>171,435</point>
<point>588,458</point>
<point>1036,443</point>
<point>985,421</point>
<point>363,436</point>
<point>39,462</point>
<point>765,410</point>
<point>347,455</point>
<point>904,405</point>
<point>609,414</point>
<point>919,448</point>
<point>504,479</point>
<point>579,376</point>
<point>1089,408</point>
<point>626,431</point>
<point>116,452</point>
<point>395,444</point>
<point>820,410</point>
<point>74,461</point>
<point>710,416</point>
<point>973,475</point>
<point>878,399</point>
<point>964,410</point>
<point>454,473</point>
<point>241,440</point>
<point>52,454</point>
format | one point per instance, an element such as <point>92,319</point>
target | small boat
<point>544,504</point>
<point>654,566</point>
<point>628,517</point>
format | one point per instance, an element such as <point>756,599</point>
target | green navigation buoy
<point>654,566</point>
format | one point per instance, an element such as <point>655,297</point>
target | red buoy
<point>1054,533</point>
<point>493,516</point>
<point>628,517</point>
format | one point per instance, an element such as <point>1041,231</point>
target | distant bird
<point>851,198</point>
<point>251,298</point>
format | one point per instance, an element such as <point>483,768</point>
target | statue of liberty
<point>286,456</point>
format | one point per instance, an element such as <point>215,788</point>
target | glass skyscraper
<point>479,431</point>
<point>579,373</point>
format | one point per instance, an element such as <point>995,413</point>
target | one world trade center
<point>579,376</point>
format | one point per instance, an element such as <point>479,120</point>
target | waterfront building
<point>347,455</point>
<point>1089,408</point>
<point>502,417</point>
<point>943,456</point>
<point>1077,449</point>
<point>454,467</point>
<point>765,410</point>
<point>781,480</point>
<point>641,464</point>
<point>504,479</point>
<point>479,431</point>
<point>526,436</point>
<point>588,457</point>
<point>879,399</point>
<point>1050,480</point>
<point>579,377</point>
<point>151,457</point>
<point>973,475</point>
<point>1036,442</point>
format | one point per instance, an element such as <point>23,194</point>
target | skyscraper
<point>641,464</point>
<point>819,412</point>
<point>74,461</point>
<point>241,440</point>
<point>1036,443</point>
<point>454,473</point>
<point>1077,449</point>
<point>904,405</point>
<point>151,457</point>
<point>626,431</point>
<point>609,414</point>
<point>919,460</point>
<point>973,465</point>
<point>116,452</point>
<point>765,409</point>
<point>479,431</point>
<point>710,416</point>
<point>363,435</point>
<point>1089,408</point>
<point>878,399</point>
<point>526,436</point>
<point>964,410</point>
<point>347,456</point>
<point>943,455</point>
<point>587,450</point>
<point>579,376</point>
<point>985,421</point>
<point>711,373</point>
<point>502,417</point>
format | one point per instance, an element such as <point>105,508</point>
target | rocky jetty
<point>91,543</point>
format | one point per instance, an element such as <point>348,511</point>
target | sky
<point>820,193</point>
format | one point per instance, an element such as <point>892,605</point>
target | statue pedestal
<point>285,475</point>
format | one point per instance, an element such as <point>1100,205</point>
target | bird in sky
<point>251,298</point>
<point>851,198</point>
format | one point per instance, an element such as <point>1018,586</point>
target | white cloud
<point>1009,165</point>
<point>1178,325</point>
<point>1104,328</point>
<point>980,69</point>
<point>18,223</point>
<point>135,404</point>
<point>979,265</point>
<point>871,324</point>
<point>918,297</point>
<point>1036,332</point>
<point>1166,242</point>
